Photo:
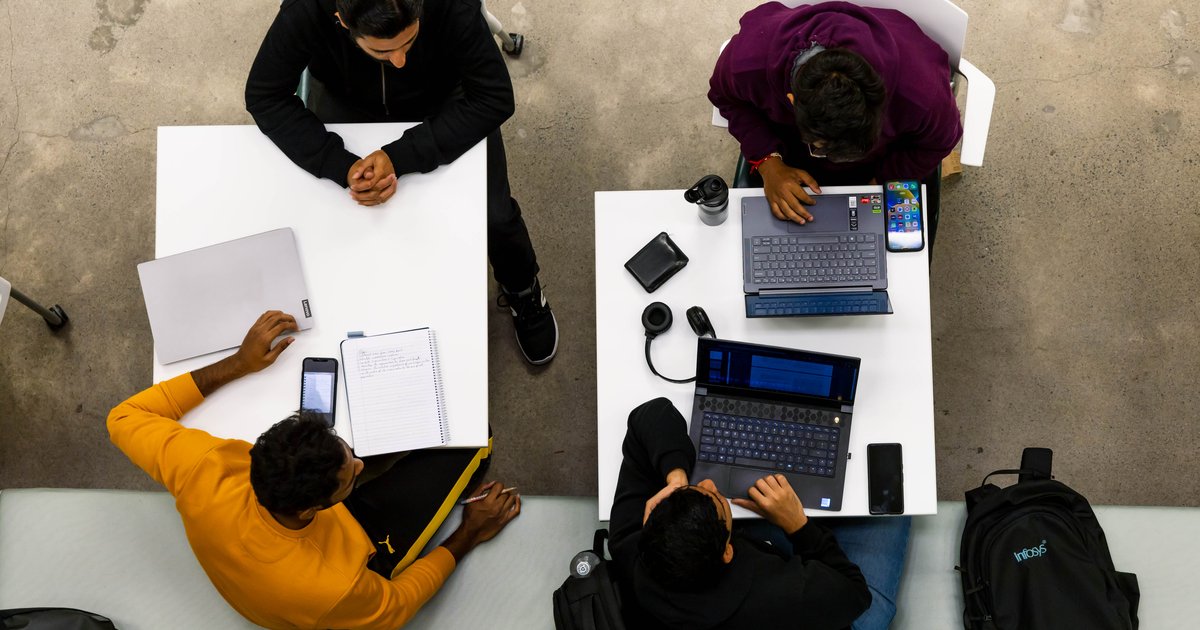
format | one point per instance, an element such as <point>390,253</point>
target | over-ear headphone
<point>657,319</point>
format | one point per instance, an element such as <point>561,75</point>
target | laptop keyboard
<point>770,437</point>
<point>841,258</point>
<point>809,304</point>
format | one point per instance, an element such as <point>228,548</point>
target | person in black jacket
<point>428,61</point>
<point>681,561</point>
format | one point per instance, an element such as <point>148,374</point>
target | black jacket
<point>816,588</point>
<point>454,82</point>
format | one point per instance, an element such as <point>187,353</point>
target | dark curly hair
<point>379,18</point>
<point>294,465</point>
<point>683,541</point>
<point>839,100</point>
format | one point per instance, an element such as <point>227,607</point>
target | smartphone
<point>885,479</point>
<point>318,387</point>
<point>905,227</point>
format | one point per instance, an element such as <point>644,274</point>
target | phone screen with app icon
<point>905,226</point>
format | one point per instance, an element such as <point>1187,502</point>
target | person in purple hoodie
<point>834,93</point>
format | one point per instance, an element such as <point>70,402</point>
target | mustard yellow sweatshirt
<point>315,577</point>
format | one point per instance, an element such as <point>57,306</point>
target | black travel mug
<point>711,194</point>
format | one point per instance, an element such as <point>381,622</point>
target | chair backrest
<point>942,20</point>
<point>5,289</point>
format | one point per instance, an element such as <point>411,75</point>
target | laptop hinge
<point>866,288</point>
<point>701,390</point>
<point>847,408</point>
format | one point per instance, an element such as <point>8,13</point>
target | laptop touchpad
<point>740,480</point>
<point>830,214</point>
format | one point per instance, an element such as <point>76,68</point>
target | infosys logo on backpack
<point>1030,552</point>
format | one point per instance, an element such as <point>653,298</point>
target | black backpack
<point>1034,557</point>
<point>589,600</point>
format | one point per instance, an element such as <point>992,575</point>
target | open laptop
<point>205,300</point>
<point>762,410</point>
<point>833,265</point>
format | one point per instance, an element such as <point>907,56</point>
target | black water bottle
<point>711,194</point>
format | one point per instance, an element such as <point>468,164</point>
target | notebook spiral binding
<point>439,392</point>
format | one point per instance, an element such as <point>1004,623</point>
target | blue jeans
<point>877,545</point>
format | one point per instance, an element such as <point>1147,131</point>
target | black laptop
<point>760,410</point>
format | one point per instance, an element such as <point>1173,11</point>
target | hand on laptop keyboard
<point>773,498</point>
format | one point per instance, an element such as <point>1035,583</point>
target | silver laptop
<point>763,410</point>
<point>833,265</point>
<point>204,300</point>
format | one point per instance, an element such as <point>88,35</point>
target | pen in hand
<point>484,496</point>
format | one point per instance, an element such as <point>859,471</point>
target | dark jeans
<point>406,500</point>
<point>509,248</point>
<point>878,545</point>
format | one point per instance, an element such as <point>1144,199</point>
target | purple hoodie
<point>753,77</point>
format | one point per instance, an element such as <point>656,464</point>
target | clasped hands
<point>372,180</point>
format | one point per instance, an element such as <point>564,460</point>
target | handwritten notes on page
<point>394,392</point>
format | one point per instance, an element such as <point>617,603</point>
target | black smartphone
<point>885,478</point>
<point>905,226</point>
<point>318,387</point>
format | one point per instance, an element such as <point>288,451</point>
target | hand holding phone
<point>318,387</point>
<point>905,227</point>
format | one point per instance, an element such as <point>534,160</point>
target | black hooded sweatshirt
<point>817,588</point>
<point>454,82</point>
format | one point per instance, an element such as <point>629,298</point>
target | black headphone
<point>657,319</point>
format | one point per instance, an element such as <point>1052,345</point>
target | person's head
<point>300,466</point>
<point>685,541</point>
<point>838,101</point>
<point>384,29</point>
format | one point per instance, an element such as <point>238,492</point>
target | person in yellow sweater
<point>271,524</point>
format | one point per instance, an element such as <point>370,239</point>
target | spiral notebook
<point>394,392</point>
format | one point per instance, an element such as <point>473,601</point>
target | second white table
<point>895,387</point>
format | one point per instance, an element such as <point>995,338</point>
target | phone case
<point>655,263</point>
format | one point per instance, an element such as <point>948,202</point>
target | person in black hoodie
<point>428,61</point>
<point>681,562</point>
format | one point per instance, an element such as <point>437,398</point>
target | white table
<point>895,387</point>
<point>418,260</point>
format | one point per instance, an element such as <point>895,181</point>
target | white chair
<point>946,24</point>
<point>512,43</point>
<point>55,316</point>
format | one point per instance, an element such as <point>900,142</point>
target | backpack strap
<point>598,542</point>
<point>986,489</point>
<point>1038,460</point>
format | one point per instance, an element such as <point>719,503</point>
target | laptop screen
<point>768,368</point>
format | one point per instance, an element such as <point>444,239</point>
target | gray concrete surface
<point>1062,291</point>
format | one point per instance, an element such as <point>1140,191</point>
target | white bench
<point>123,554</point>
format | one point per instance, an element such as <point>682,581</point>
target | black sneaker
<point>537,330</point>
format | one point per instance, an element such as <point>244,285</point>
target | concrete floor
<point>1062,292</point>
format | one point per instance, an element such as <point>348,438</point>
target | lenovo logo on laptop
<point>307,312</point>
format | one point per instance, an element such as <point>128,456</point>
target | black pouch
<point>655,263</point>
